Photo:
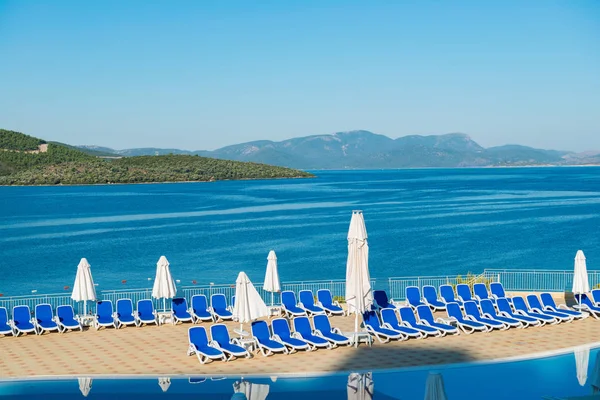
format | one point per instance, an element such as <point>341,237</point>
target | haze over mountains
<point>367,150</point>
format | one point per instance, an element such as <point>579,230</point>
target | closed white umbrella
<point>164,285</point>
<point>434,387</point>
<point>359,296</point>
<point>248,303</point>
<point>164,383</point>
<point>580,276</point>
<point>252,391</point>
<point>85,385</point>
<point>83,288</point>
<point>360,386</point>
<point>272,275</point>
<point>582,356</point>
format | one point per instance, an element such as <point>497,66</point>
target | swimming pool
<point>555,377</point>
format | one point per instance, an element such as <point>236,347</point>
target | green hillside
<point>66,165</point>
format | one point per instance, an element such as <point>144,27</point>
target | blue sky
<point>201,75</point>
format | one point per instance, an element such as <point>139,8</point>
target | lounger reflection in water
<point>283,334</point>
<point>222,341</point>
<point>333,335</point>
<point>265,342</point>
<point>466,325</point>
<point>201,347</point>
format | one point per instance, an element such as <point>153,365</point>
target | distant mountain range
<point>367,150</point>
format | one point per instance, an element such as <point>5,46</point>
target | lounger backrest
<point>480,290</point>
<point>504,306</point>
<point>302,326</point>
<point>447,293</point>
<point>324,297</point>
<point>220,334</point>
<point>65,313</point>
<point>306,298</point>
<point>487,307</point>
<point>429,293</point>
<point>463,291</point>
<point>288,299</point>
<point>413,295</point>
<point>453,310</point>
<point>260,330</point>
<point>218,301</point>
<point>534,302</point>
<point>519,304</point>
<point>281,328</point>
<point>425,314</point>
<point>370,318</point>
<point>407,315</point>
<point>21,314</point>
<point>104,308</point>
<point>596,295</point>
<point>381,298</point>
<point>548,300</point>
<point>233,301</point>
<point>322,323</point>
<point>43,312</point>
<point>388,315</point>
<point>497,289</point>
<point>145,308</point>
<point>3,316</point>
<point>471,309</point>
<point>199,302</point>
<point>124,307</point>
<point>179,305</point>
<point>198,336</point>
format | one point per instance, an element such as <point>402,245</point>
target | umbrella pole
<point>164,305</point>
<point>85,308</point>
<point>271,299</point>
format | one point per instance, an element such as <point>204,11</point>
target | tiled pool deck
<point>161,351</point>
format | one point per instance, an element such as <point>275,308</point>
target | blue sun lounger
<point>265,343</point>
<point>413,296</point>
<point>521,308</point>
<point>324,329</point>
<point>549,304</point>
<point>505,310</point>
<point>283,334</point>
<point>179,310</point>
<point>374,327</point>
<point>304,331</point>
<point>464,293</point>
<point>5,324</point>
<point>201,347</point>
<point>200,311</point>
<point>447,295</point>
<point>307,303</point>
<point>472,313</point>
<point>146,314</point>
<point>498,292</point>
<point>66,319</point>
<point>289,304</point>
<point>232,348</point>
<point>104,315</point>
<point>595,296</point>
<point>22,321</point>
<point>426,318</point>
<point>489,311</point>
<point>124,315</point>
<point>466,325</point>
<point>218,304</point>
<point>407,317</point>
<point>382,300</point>
<point>430,297</point>
<point>534,304</point>
<point>586,304</point>
<point>44,319</point>
<point>390,321</point>
<point>481,293</point>
<point>325,301</point>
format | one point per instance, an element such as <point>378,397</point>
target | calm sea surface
<point>420,222</point>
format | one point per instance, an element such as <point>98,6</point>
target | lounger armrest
<point>470,318</point>
<point>548,308</point>
<point>296,335</point>
<point>442,320</point>
<point>235,341</point>
<point>337,303</point>
<point>336,330</point>
<point>476,297</point>
<point>495,297</point>
<point>488,316</point>
<point>229,308</point>
<point>537,310</point>
<point>214,344</point>
<point>563,307</point>
<point>521,313</point>
<point>405,324</point>
<point>386,325</point>
<point>424,322</point>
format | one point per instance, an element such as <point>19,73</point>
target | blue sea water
<point>420,222</point>
<point>555,377</point>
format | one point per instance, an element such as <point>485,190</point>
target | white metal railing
<point>397,286</point>
<point>540,280</point>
